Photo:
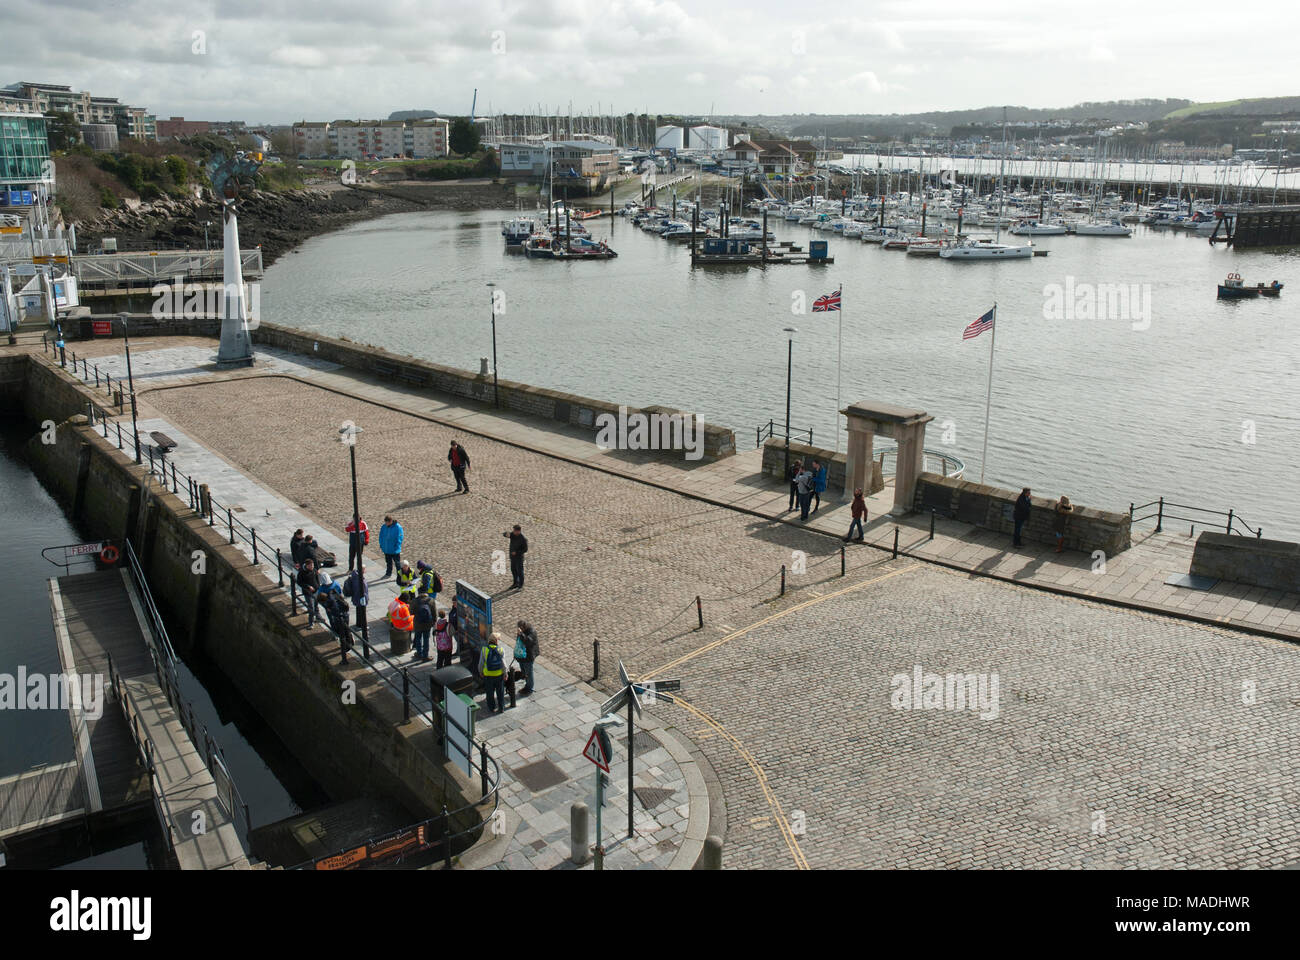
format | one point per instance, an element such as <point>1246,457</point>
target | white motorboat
<point>1039,228</point>
<point>518,230</point>
<point>923,247</point>
<point>1102,228</point>
<point>986,249</point>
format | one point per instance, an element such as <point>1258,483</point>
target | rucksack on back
<point>423,614</point>
<point>494,661</point>
<point>437,582</point>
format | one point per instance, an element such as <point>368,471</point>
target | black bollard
<point>896,543</point>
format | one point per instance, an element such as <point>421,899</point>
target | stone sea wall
<point>991,508</point>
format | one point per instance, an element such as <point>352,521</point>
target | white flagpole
<point>988,399</point>
<point>839,365</point>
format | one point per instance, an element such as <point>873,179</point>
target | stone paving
<point>553,723</point>
<point>1122,738</point>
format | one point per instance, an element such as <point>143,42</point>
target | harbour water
<point>1195,401</point>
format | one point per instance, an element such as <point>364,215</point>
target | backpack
<point>494,661</point>
<point>348,589</point>
<point>437,582</point>
<point>442,638</point>
<point>423,613</point>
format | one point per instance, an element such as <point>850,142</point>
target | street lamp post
<point>206,224</point>
<point>496,398</point>
<point>130,385</point>
<point>789,366</point>
<point>348,437</point>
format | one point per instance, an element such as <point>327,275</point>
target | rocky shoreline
<point>277,222</point>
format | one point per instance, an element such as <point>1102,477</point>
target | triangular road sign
<point>595,751</point>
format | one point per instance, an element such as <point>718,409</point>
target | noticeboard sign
<point>459,740</point>
<point>475,610</point>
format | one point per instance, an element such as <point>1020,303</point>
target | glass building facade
<point>24,149</point>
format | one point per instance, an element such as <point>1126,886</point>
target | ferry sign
<point>81,549</point>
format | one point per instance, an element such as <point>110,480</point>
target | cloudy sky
<point>284,60</point>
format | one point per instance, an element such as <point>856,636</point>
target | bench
<point>165,443</point>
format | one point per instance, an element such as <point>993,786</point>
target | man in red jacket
<point>459,460</point>
<point>859,514</point>
<point>356,541</point>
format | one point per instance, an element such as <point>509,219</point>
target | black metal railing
<point>1229,521</point>
<point>165,661</point>
<point>777,430</point>
<point>415,700</point>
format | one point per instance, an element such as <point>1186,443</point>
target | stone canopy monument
<point>236,348</point>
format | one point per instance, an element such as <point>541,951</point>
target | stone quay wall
<point>239,618</point>
<point>1271,564</point>
<point>774,463</point>
<point>567,408</point>
<point>991,508</point>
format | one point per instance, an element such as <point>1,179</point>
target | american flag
<point>827,303</point>
<point>977,327</point>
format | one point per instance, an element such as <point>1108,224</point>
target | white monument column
<point>236,348</point>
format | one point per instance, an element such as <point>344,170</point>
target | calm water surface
<point>1092,408</point>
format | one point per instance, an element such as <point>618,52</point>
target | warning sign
<point>596,750</point>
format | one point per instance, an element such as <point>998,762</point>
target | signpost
<point>598,750</point>
<point>636,694</point>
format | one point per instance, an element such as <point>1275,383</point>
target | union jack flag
<point>978,326</point>
<point>827,303</point>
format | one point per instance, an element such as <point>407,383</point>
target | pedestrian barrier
<point>1229,521</point>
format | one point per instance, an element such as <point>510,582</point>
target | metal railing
<point>1228,520</point>
<point>165,660</point>
<point>415,700</point>
<point>932,461</point>
<point>777,431</point>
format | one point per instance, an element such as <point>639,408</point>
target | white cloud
<point>696,79</point>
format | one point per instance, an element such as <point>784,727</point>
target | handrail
<point>769,430</point>
<point>1229,519</point>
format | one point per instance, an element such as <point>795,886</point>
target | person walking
<point>358,591</point>
<point>424,624</point>
<point>804,482</point>
<point>459,461</point>
<point>526,653</point>
<point>796,468</point>
<point>1060,521</point>
<point>1020,513</point>
<point>442,640</point>
<point>336,609</point>
<point>308,584</point>
<point>492,668</point>
<point>357,538</point>
<point>405,576</point>
<point>518,547</point>
<point>859,509</point>
<point>819,483</point>
<point>390,544</point>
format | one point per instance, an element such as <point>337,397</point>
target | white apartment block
<point>428,138</point>
<point>312,140</point>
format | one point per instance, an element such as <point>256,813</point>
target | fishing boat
<point>1234,288</point>
<point>540,245</point>
<point>518,230</point>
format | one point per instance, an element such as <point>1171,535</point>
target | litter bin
<point>399,641</point>
<point>454,678</point>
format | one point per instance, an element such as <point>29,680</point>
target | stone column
<point>857,457</point>
<point>911,443</point>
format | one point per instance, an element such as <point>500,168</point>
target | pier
<point>133,751</point>
<point>1270,226</point>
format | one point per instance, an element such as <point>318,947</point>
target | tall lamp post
<point>492,304</point>
<point>348,437</point>
<point>789,366</point>
<point>130,385</point>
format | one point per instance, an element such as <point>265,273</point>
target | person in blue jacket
<point>819,483</point>
<point>390,544</point>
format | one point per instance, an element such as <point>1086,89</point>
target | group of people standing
<point>807,484</point>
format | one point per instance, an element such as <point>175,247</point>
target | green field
<point>1203,108</point>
